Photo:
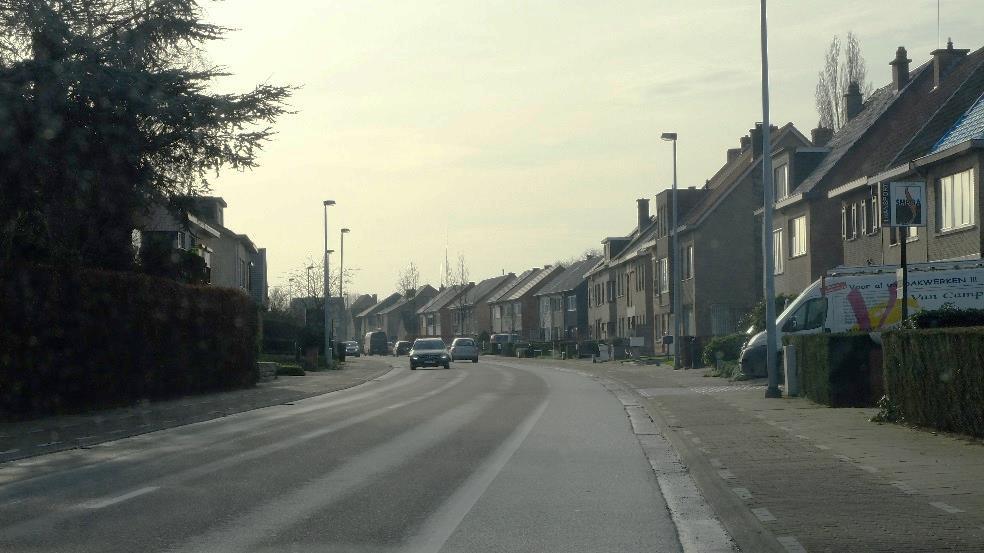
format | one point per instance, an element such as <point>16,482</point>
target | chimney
<point>746,141</point>
<point>733,154</point>
<point>756,138</point>
<point>900,69</point>
<point>821,136</point>
<point>642,204</point>
<point>944,60</point>
<point>852,100</point>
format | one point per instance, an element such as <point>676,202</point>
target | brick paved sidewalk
<point>47,435</point>
<point>791,475</point>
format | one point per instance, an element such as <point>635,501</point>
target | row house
<point>943,146</point>
<point>500,311</point>
<point>435,315</point>
<point>516,311</point>
<point>470,314</point>
<point>719,241</point>
<point>369,319</point>
<point>881,141</point>
<point>564,303</point>
<point>353,325</point>
<point>400,320</point>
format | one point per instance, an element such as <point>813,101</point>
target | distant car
<point>352,348</point>
<point>429,352</point>
<point>464,348</point>
<point>375,343</point>
<point>402,347</point>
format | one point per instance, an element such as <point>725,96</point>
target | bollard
<point>789,365</point>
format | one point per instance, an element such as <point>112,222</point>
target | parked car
<point>464,348</point>
<point>402,347</point>
<point>352,348</point>
<point>497,340</point>
<point>429,352</point>
<point>375,343</point>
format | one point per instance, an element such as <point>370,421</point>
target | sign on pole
<point>903,204</point>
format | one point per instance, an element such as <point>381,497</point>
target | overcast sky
<point>523,131</point>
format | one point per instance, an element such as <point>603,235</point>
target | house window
<point>777,257</point>
<point>497,311</point>
<point>875,218</point>
<point>572,303</point>
<point>664,275</point>
<point>688,262</point>
<point>853,223</point>
<point>780,181</point>
<point>517,308</point>
<point>844,222</point>
<point>957,200</point>
<point>797,236</point>
<point>863,213</point>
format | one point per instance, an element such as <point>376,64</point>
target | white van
<point>867,299</point>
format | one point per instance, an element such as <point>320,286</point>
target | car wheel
<point>447,365</point>
<point>413,367</point>
<point>475,360</point>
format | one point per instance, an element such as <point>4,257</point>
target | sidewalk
<point>791,475</point>
<point>37,437</point>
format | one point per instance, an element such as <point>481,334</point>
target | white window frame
<point>956,200</point>
<point>853,222</point>
<point>572,303</point>
<point>797,237</point>
<point>844,222</point>
<point>688,261</point>
<point>777,253</point>
<point>784,191</point>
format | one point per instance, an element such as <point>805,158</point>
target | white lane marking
<point>742,493</point>
<point>791,545</point>
<point>868,468</point>
<point>101,503</point>
<point>446,519</point>
<point>266,520</point>
<point>823,447</point>
<point>904,488</point>
<point>945,507</point>
<point>716,463</point>
<point>726,474</point>
<point>640,421</point>
<point>695,440</point>
<point>9,451</point>
<point>763,514</point>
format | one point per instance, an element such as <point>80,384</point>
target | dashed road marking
<point>802,437</point>
<point>945,507</point>
<point>716,463</point>
<point>101,503</point>
<point>844,458</point>
<point>695,440</point>
<point>763,514</point>
<point>868,468</point>
<point>726,474</point>
<point>823,447</point>
<point>904,488</point>
<point>742,493</point>
<point>791,545</point>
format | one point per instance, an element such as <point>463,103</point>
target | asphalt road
<point>486,457</point>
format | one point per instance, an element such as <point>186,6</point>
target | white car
<point>464,348</point>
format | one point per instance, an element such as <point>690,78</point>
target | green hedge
<point>74,340</point>
<point>946,316</point>
<point>839,370</point>
<point>936,377</point>
<point>728,346</point>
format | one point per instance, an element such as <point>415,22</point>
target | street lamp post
<point>771,354</point>
<point>341,282</point>
<point>675,257</point>
<point>329,355</point>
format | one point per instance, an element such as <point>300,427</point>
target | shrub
<point>756,315</point>
<point>947,316</point>
<point>727,346</point>
<point>290,370</point>
<point>839,370</point>
<point>74,339</point>
<point>935,377</point>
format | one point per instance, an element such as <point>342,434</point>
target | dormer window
<point>780,181</point>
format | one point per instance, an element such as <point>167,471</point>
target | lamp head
<point>669,136</point>
<point>328,202</point>
<point>345,230</point>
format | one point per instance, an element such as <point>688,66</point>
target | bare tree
<point>837,74</point>
<point>408,280</point>
<point>279,300</point>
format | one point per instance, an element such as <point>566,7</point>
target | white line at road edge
<point>101,503</point>
<point>445,520</point>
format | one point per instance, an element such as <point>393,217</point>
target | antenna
<point>938,24</point>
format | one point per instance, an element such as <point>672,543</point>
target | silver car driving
<point>464,348</point>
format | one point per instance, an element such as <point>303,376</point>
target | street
<point>483,457</point>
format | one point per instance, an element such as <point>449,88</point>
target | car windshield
<point>234,235</point>
<point>428,344</point>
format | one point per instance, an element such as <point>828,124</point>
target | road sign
<point>903,204</point>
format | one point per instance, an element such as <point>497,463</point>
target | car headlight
<point>414,357</point>
<point>444,356</point>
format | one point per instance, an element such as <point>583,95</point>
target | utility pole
<point>341,283</point>
<point>674,258</point>
<point>329,354</point>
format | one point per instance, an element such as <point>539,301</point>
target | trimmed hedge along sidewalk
<point>73,340</point>
<point>839,370</point>
<point>936,377</point>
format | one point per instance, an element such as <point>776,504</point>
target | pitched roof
<point>845,138</point>
<point>421,290</point>
<point>731,174</point>
<point>485,289</point>
<point>362,302</point>
<point>570,278</point>
<point>524,288</point>
<point>501,293</point>
<point>969,127</point>
<point>386,302</point>
<point>442,299</point>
